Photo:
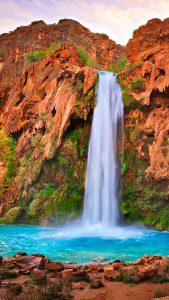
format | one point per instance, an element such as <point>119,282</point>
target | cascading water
<point>103,165</point>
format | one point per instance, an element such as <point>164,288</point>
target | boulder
<point>30,262</point>
<point>93,267</point>
<point>40,276</point>
<point>116,265</point>
<point>146,272</point>
<point>54,266</point>
<point>108,270</point>
<point>67,274</point>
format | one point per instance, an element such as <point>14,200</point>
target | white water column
<point>101,202</point>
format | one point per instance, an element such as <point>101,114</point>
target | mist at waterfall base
<point>98,232</point>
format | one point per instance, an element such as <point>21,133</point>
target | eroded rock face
<point>146,176</point>
<point>39,36</point>
<point>40,107</point>
<point>149,51</point>
<point>149,48</point>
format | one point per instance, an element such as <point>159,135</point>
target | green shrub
<point>119,66</point>
<point>7,155</point>
<point>139,64</point>
<point>87,61</point>
<point>39,54</point>
<point>121,63</point>
<point>137,85</point>
<point>83,55</point>
<point>34,208</point>
<point>61,160</point>
<point>47,190</point>
<point>130,67</point>
<point>125,161</point>
<point>13,215</point>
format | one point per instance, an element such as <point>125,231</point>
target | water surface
<point>82,245</point>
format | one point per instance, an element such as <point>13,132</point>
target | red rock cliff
<point>38,35</point>
<point>147,125</point>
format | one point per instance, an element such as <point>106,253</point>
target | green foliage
<point>7,156</point>
<point>159,279</point>
<point>68,198</point>
<point>147,207</point>
<point>163,220</point>
<point>47,190</point>
<point>62,160</point>
<point>137,85</point>
<point>130,67</point>
<point>35,141</point>
<point>117,279</point>
<point>39,54</point>
<point>125,161</point>
<point>48,208</point>
<point>83,55</point>
<point>13,215</point>
<point>147,190</point>
<point>34,208</point>
<point>139,64</point>
<point>29,165</point>
<point>119,66</point>
<point>130,281</point>
<point>87,61</point>
<point>74,136</point>
<point>113,68</point>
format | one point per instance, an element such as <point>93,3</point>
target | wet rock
<point>100,259</point>
<point>30,262</point>
<point>70,262</point>
<point>20,253</point>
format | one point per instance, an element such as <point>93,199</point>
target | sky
<point>116,18</point>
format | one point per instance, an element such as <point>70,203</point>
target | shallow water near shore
<point>83,244</point>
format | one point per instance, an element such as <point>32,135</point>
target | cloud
<point>117,18</point>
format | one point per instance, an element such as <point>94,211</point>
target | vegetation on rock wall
<point>39,54</point>
<point>137,85</point>
<point>58,196</point>
<point>86,59</point>
<point>7,158</point>
<point>143,201</point>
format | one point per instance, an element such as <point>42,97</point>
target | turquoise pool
<point>82,245</point>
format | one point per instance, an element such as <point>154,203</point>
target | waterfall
<point>101,201</point>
